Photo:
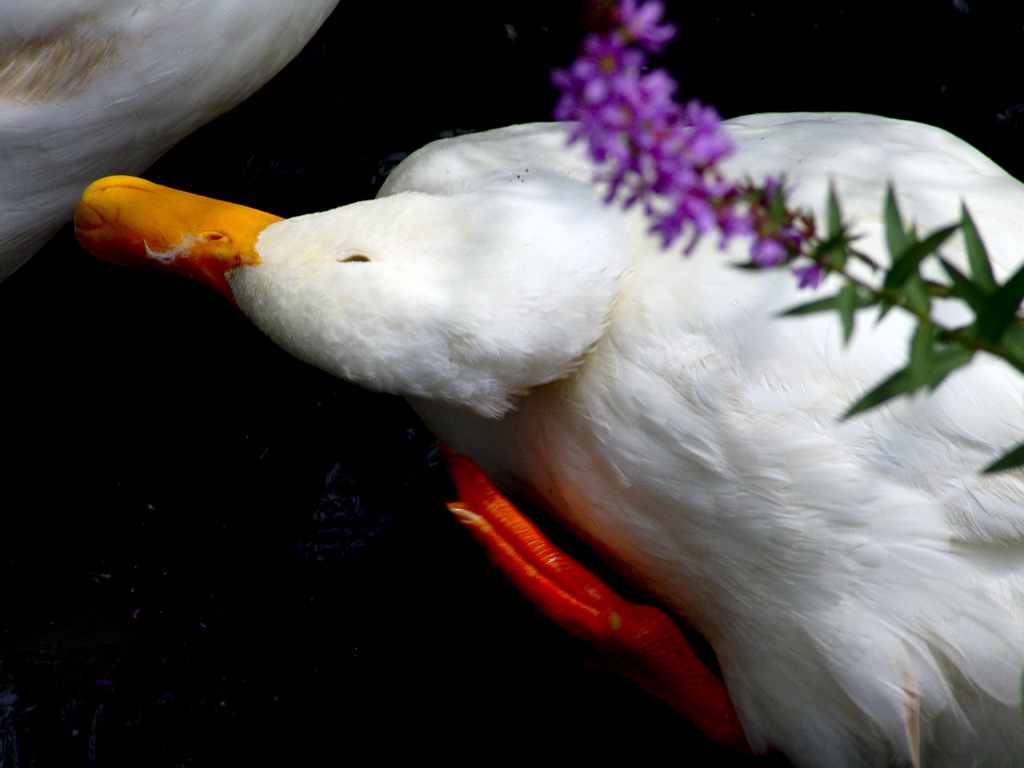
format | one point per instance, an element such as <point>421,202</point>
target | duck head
<point>470,299</point>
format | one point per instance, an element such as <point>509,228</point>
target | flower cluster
<point>665,155</point>
<point>659,153</point>
<point>780,233</point>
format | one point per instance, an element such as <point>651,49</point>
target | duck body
<point>93,87</point>
<point>861,583</point>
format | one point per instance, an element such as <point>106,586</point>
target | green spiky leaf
<point>1011,346</point>
<point>897,384</point>
<point>846,302</point>
<point>931,360</point>
<point>963,287</point>
<point>977,256</point>
<point>906,261</point>
<point>835,218</point>
<point>1001,308</point>
<point>1009,460</point>
<point>777,205</point>
<point>895,235</point>
<point>915,295</point>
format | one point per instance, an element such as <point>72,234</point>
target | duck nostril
<point>211,236</point>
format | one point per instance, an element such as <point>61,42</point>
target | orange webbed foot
<point>652,650</point>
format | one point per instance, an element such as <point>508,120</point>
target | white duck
<point>93,87</point>
<point>860,582</point>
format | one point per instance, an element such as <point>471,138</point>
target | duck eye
<point>356,257</point>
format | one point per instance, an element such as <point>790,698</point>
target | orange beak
<point>135,223</point>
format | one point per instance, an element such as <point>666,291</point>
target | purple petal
<point>766,252</point>
<point>810,276</point>
<point>640,21</point>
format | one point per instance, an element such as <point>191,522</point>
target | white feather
<point>859,581</point>
<point>91,88</point>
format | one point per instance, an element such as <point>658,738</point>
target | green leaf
<point>977,256</point>
<point>821,305</point>
<point>945,360</point>
<point>915,295</point>
<point>921,351</point>
<point>975,296</point>
<point>895,235</point>
<point>847,304</point>
<point>906,261</point>
<point>835,217</point>
<point>777,205</point>
<point>1001,308</point>
<point>898,384</point>
<point>832,253</point>
<point>1009,460</point>
<point>861,298</point>
<point>932,359</point>
<point>1011,345</point>
<point>884,306</point>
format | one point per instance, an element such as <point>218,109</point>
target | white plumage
<point>94,87</point>
<point>860,581</point>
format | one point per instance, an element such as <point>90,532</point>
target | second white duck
<point>94,87</point>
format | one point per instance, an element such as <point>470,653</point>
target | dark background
<point>212,554</point>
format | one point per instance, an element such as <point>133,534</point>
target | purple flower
<point>649,145</point>
<point>665,156</point>
<point>708,142</point>
<point>810,276</point>
<point>733,223</point>
<point>640,23</point>
<point>767,252</point>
